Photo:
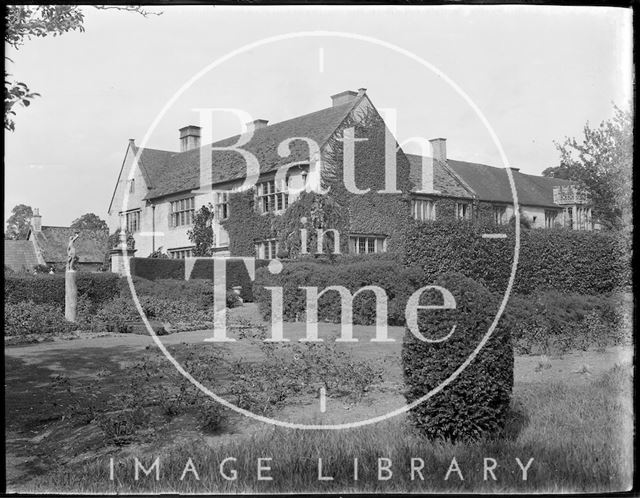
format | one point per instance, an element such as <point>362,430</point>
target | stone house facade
<point>158,192</point>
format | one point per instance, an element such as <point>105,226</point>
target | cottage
<point>50,245</point>
<point>158,201</point>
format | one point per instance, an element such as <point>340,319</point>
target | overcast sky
<point>536,73</point>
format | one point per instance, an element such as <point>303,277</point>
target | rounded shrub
<point>475,404</point>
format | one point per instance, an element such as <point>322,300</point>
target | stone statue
<point>70,286</point>
<point>71,252</point>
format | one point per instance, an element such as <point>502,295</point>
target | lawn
<point>571,414</point>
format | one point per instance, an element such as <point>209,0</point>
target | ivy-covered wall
<point>245,225</point>
<point>370,213</point>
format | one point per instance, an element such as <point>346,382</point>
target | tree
<point>19,222</point>
<point>23,22</point>
<point>601,164</point>
<point>90,220</point>
<point>202,232</point>
<point>117,237</point>
<point>561,172</point>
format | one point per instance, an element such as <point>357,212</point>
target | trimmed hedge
<point>166,269</point>
<point>476,403</point>
<point>398,282</point>
<point>584,262</point>
<point>157,268</point>
<point>49,289</point>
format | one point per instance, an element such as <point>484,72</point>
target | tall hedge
<point>475,404</point>
<point>166,269</point>
<point>49,289</point>
<point>585,262</point>
<point>397,281</point>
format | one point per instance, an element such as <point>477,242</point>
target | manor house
<point>166,187</point>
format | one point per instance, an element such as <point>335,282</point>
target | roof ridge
<point>349,105</point>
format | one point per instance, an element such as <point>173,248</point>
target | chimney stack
<point>189,138</point>
<point>256,124</point>
<point>439,147</point>
<point>343,97</point>
<point>36,220</point>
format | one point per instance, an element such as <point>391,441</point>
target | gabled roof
<point>91,245</point>
<point>445,181</point>
<point>173,172</point>
<point>20,255</point>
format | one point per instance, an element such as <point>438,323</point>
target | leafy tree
<point>601,164</point>
<point>202,232</point>
<point>90,220</point>
<point>23,22</point>
<point>19,222</point>
<point>115,239</point>
<point>561,172</point>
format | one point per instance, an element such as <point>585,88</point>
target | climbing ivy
<point>311,211</point>
<point>245,226</point>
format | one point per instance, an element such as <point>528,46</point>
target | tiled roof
<point>492,184</point>
<point>172,172</point>
<point>20,255</point>
<point>91,245</point>
<point>444,180</point>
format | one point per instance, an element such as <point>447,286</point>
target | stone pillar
<point>117,257</point>
<point>70,295</point>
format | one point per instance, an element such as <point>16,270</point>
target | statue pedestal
<point>117,257</point>
<point>70,295</point>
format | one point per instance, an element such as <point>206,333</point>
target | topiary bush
<point>475,404</point>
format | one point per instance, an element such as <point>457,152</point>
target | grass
<point>580,437</point>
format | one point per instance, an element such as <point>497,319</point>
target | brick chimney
<point>36,220</point>
<point>343,97</point>
<point>189,138</point>
<point>439,147</point>
<point>256,124</point>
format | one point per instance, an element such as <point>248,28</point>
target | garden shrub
<point>554,323</point>
<point>475,404</point>
<point>49,289</point>
<point>585,262</point>
<point>292,370</point>
<point>396,280</point>
<point>28,318</point>
<point>119,314</point>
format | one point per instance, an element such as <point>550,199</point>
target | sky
<point>534,74</point>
